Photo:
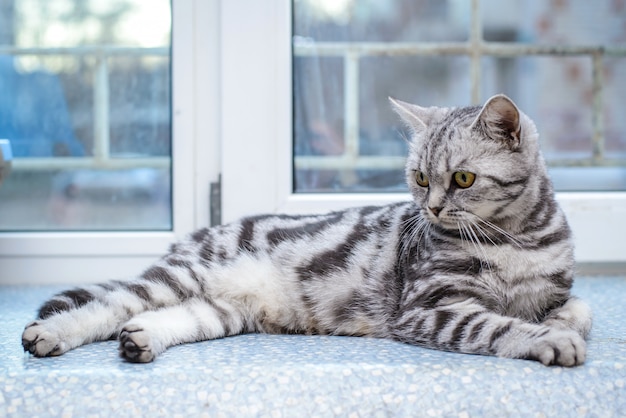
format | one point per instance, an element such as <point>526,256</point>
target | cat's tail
<point>81,296</point>
<point>160,286</point>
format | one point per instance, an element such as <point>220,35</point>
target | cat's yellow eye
<point>464,179</point>
<point>421,179</point>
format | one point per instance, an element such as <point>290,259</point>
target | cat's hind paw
<point>40,341</point>
<point>135,345</point>
<point>559,348</point>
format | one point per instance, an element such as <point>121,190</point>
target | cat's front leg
<point>574,315</point>
<point>468,327</point>
<point>150,333</point>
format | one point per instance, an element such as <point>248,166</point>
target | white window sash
<point>75,257</point>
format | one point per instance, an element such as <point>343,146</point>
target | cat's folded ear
<point>414,117</point>
<point>499,119</point>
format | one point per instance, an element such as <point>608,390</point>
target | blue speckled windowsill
<point>284,376</point>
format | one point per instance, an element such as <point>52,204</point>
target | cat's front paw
<point>41,341</point>
<point>136,345</point>
<point>560,348</point>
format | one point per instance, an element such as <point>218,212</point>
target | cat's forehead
<point>450,128</point>
<point>450,157</point>
<point>453,117</point>
<point>451,144</point>
<point>447,126</point>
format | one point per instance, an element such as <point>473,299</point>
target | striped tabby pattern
<point>480,261</point>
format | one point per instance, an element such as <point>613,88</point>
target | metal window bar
<point>475,48</point>
<point>101,151</point>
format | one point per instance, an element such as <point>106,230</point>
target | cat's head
<point>473,164</point>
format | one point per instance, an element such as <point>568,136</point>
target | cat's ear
<point>499,119</point>
<point>415,117</point>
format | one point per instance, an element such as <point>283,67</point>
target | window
<point>233,112</point>
<point>86,107</point>
<point>117,245</point>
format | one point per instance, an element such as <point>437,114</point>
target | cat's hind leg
<point>76,317</point>
<point>63,331</point>
<point>150,333</point>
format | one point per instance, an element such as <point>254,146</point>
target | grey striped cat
<point>480,261</point>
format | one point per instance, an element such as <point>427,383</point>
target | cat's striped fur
<point>485,268</point>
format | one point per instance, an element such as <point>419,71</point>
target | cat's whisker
<point>415,226</point>
<point>485,235</point>
<point>465,233</point>
<point>468,236</point>
<point>478,245</point>
<point>461,234</point>
<point>502,232</point>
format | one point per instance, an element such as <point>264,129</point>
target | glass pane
<point>350,56</point>
<point>87,113</point>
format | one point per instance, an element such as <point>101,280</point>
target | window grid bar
<point>476,41</point>
<point>597,121</point>
<point>351,111</point>
<point>85,50</point>
<point>101,131</point>
<point>303,48</point>
<point>58,163</point>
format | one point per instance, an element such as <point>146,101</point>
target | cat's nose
<point>435,210</point>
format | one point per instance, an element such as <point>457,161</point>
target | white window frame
<point>79,257</point>
<point>257,138</point>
